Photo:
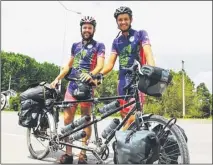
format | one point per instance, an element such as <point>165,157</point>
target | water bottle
<point>115,122</point>
<point>113,105</point>
<point>77,136</point>
<point>75,124</point>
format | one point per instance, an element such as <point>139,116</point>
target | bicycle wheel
<point>175,140</point>
<point>47,129</point>
<point>3,101</point>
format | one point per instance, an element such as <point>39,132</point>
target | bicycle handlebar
<point>136,66</point>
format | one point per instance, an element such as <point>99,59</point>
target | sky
<point>178,30</point>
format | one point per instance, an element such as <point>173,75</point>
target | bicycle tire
<point>176,131</point>
<point>3,101</point>
<point>52,126</point>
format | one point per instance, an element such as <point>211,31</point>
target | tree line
<point>25,70</point>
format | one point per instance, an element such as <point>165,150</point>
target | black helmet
<point>88,19</point>
<point>122,10</point>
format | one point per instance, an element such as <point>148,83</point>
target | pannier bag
<point>154,80</point>
<point>135,147</point>
<point>32,102</point>
<point>28,116</point>
<point>39,92</point>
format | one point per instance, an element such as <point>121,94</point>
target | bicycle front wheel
<point>173,147</point>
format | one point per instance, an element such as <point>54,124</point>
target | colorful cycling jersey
<point>130,48</point>
<point>85,58</point>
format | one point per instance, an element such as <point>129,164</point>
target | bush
<point>14,103</point>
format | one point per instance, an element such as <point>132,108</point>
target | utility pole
<point>67,10</point>
<point>183,71</point>
<point>9,83</point>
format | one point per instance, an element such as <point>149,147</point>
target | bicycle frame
<point>137,107</point>
<point>104,115</point>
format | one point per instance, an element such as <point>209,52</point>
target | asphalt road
<point>14,147</point>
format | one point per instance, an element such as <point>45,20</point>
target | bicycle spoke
<point>170,146</point>
<point>168,159</point>
<point>173,151</point>
<point>39,142</point>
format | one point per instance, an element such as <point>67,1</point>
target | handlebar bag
<point>83,91</point>
<point>154,80</point>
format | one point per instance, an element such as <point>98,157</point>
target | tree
<point>25,70</point>
<point>205,99</point>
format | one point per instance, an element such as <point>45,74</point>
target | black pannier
<point>28,116</point>
<point>136,147</point>
<point>154,80</point>
<point>32,101</point>
<point>38,92</point>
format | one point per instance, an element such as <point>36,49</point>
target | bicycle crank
<point>105,153</point>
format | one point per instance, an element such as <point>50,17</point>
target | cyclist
<point>130,45</point>
<point>87,57</point>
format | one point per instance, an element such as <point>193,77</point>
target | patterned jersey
<point>85,58</point>
<point>130,48</point>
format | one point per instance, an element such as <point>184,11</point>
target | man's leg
<point>124,111</point>
<point>69,114</point>
<point>85,110</point>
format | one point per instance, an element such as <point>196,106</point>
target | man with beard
<point>130,45</point>
<point>87,59</point>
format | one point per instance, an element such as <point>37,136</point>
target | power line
<point>79,13</point>
<point>69,9</point>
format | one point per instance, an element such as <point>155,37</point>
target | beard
<point>125,30</point>
<point>88,36</point>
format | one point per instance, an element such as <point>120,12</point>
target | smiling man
<point>130,45</point>
<point>87,59</point>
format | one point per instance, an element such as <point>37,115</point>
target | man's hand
<point>99,78</point>
<point>54,83</point>
<point>85,77</point>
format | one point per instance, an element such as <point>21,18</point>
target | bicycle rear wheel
<point>47,129</point>
<point>174,149</point>
<point>3,101</point>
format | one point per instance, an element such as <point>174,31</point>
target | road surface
<point>14,148</point>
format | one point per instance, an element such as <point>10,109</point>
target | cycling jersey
<point>130,48</point>
<point>85,58</point>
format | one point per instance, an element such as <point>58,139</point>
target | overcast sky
<point>178,31</point>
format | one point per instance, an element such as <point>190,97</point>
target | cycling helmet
<point>88,19</point>
<point>122,10</point>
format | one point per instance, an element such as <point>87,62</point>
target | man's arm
<point>148,54</point>
<point>109,66</point>
<point>99,65</point>
<point>100,59</point>
<point>145,43</point>
<point>65,70</point>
